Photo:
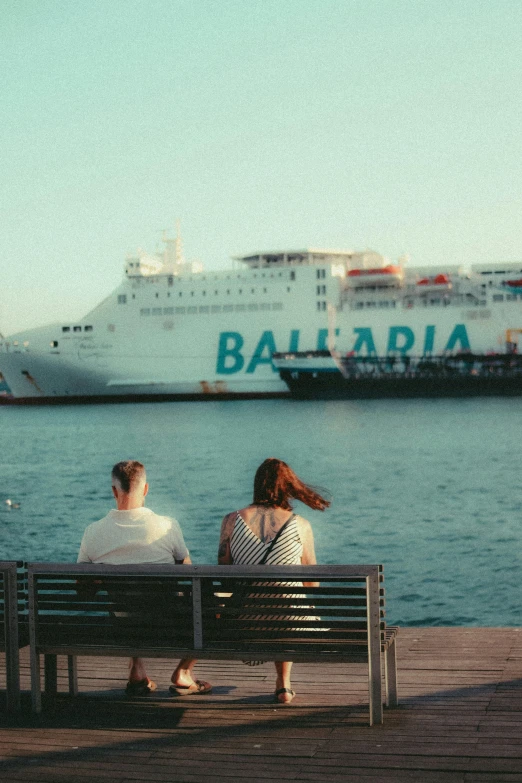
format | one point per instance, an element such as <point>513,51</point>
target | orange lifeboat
<point>390,275</point>
<point>437,283</point>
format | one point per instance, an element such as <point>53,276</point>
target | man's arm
<point>224,553</point>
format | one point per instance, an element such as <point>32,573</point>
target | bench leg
<point>51,675</point>
<point>72,671</point>
<point>375,689</point>
<point>12,676</point>
<point>11,647</point>
<point>390,670</point>
<point>36,688</point>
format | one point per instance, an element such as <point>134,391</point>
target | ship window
<point>181,293</point>
<point>486,273</point>
<point>277,306</point>
<point>252,290</point>
<point>228,308</point>
<point>87,328</point>
<point>240,308</point>
<point>192,293</point>
<point>510,297</point>
<point>54,343</point>
<point>204,293</point>
<point>359,305</point>
<point>384,304</point>
<point>371,304</point>
<point>240,291</point>
<point>204,309</point>
<point>168,311</point>
<point>228,290</point>
<point>180,310</point>
<point>145,311</point>
<point>157,296</point>
<point>77,328</point>
<point>168,294</point>
<point>216,293</point>
<point>434,301</point>
<point>253,307</point>
<point>498,297</point>
<point>170,281</point>
<point>122,299</point>
<point>264,306</point>
<point>156,311</point>
<point>134,296</point>
<point>66,328</point>
<point>292,275</point>
<point>192,310</point>
<point>500,272</point>
<point>215,309</point>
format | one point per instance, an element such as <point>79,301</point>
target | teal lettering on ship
<point>265,345</point>
<point>401,339</point>
<point>230,359</point>
<point>322,339</point>
<point>429,339</point>
<point>458,335</point>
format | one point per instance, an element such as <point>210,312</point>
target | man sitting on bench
<point>135,534</point>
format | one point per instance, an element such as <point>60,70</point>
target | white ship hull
<point>176,333</point>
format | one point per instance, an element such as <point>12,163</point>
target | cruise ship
<point>171,330</point>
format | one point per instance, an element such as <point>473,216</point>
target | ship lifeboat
<point>439,282</point>
<point>513,283</point>
<point>382,276</point>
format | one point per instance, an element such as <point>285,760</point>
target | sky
<point>260,124</point>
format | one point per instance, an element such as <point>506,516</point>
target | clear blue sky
<point>390,124</point>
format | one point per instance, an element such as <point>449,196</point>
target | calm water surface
<point>432,489</point>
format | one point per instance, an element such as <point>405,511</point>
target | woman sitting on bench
<point>264,533</point>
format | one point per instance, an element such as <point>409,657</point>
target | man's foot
<point>140,688</point>
<point>284,695</point>
<point>198,687</point>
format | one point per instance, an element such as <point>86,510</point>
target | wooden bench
<point>14,632</point>
<point>211,612</point>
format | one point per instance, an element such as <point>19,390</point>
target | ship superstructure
<point>172,329</point>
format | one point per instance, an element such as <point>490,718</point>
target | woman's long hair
<point>275,483</point>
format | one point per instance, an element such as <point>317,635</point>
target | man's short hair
<point>128,474</point>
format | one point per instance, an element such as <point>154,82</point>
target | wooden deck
<point>460,721</point>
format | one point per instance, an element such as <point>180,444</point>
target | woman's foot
<point>284,695</point>
<point>183,681</point>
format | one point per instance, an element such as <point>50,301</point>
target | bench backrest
<point>254,609</point>
<point>13,604</point>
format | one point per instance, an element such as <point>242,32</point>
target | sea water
<point>431,489</point>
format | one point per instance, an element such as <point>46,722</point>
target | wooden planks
<point>460,721</point>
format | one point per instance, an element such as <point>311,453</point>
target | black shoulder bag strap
<point>275,540</point>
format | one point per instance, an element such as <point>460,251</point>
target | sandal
<point>283,690</point>
<point>140,688</point>
<point>199,687</point>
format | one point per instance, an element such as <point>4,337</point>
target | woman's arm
<point>227,526</point>
<point>307,540</point>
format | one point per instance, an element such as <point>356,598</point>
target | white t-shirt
<point>134,536</point>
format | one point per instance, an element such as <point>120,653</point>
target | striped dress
<point>248,549</point>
